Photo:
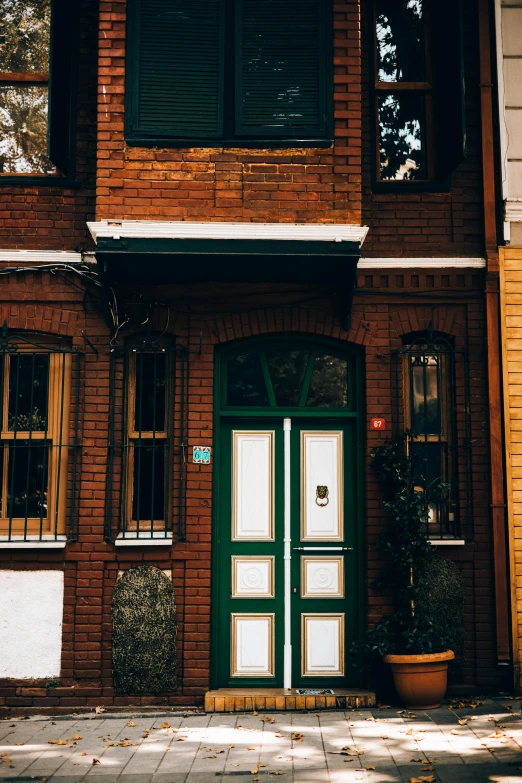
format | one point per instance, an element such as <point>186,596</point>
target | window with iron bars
<point>432,404</point>
<point>141,474</point>
<point>40,402</point>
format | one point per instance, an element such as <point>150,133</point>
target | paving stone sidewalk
<point>466,745</point>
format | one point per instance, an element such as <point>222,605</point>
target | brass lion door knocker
<point>321,493</point>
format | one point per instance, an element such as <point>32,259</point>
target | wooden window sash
<point>423,87</point>
<point>57,436</point>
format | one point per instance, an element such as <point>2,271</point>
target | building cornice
<point>16,257</point>
<point>151,229</point>
<point>421,263</point>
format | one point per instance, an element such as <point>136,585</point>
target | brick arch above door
<point>288,320</point>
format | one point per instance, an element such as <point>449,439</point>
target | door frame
<point>311,341</point>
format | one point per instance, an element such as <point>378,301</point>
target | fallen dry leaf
<point>254,771</point>
<point>346,760</point>
<point>423,779</point>
<point>165,725</point>
<point>20,743</point>
<point>99,710</point>
<point>250,748</point>
<point>131,723</point>
<point>370,768</point>
<point>57,742</point>
<point>77,736</point>
<point>463,722</point>
<point>95,761</point>
<point>6,759</point>
<point>82,754</point>
<point>209,757</point>
<point>255,713</point>
<point>454,731</point>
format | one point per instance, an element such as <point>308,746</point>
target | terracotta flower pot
<point>421,679</point>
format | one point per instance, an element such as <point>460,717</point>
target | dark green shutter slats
<point>62,66</point>
<point>281,87</point>
<point>178,68</point>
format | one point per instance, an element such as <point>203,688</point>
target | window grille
<point>142,477</point>
<point>432,407</point>
<point>40,406</point>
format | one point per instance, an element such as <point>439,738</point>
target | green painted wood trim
<point>355,420</point>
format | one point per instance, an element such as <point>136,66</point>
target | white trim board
<point>16,257</point>
<point>421,263</point>
<point>513,210</point>
<point>152,229</point>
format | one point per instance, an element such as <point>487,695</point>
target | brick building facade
<point>424,270</point>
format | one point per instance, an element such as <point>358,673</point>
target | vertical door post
<point>287,676</point>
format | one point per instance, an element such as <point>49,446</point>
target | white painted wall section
<point>31,615</point>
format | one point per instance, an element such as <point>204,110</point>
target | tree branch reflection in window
<point>401,149</point>
<point>24,86</point>
<point>402,90</point>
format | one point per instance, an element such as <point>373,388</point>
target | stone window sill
<point>447,541</point>
<point>158,539</point>
<point>35,542</point>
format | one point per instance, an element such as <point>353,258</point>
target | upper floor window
<point>35,82</point>
<point>418,96</point>
<point>228,71</point>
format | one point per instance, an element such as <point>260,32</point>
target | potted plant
<point>407,638</point>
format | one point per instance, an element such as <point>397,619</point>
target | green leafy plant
<point>51,685</point>
<point>405,542</point>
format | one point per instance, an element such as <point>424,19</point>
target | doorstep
<point>247,699</point>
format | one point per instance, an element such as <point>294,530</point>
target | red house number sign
<point>377,424</point>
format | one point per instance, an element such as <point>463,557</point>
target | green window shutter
<point>176,67</point>
<point>282,74</point>
<point>62,67</point>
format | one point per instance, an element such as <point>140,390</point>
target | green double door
<point>286,581</point>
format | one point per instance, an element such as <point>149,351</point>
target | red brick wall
<point>45,217</point>
<point>385,308</point>
<point>317,185</point>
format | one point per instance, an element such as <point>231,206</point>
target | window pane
<point>329,384</point>
<point>23,130</point>
<point>28,392</point>
<point>245,382</point>
<point>426,409</point>
<point>287,371</point>
<point>430,466</point>
<point>149,414</point>
<point>148,500</point>
<point>401,126</point>
<point>27,480</point>
<point>400,40</point>
<point>24,35</point>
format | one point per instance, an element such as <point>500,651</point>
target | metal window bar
<point>435,411</point>
<point>39,448</point>
<point>142,441</point>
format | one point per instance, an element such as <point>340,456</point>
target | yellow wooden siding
<point>511,317</point>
